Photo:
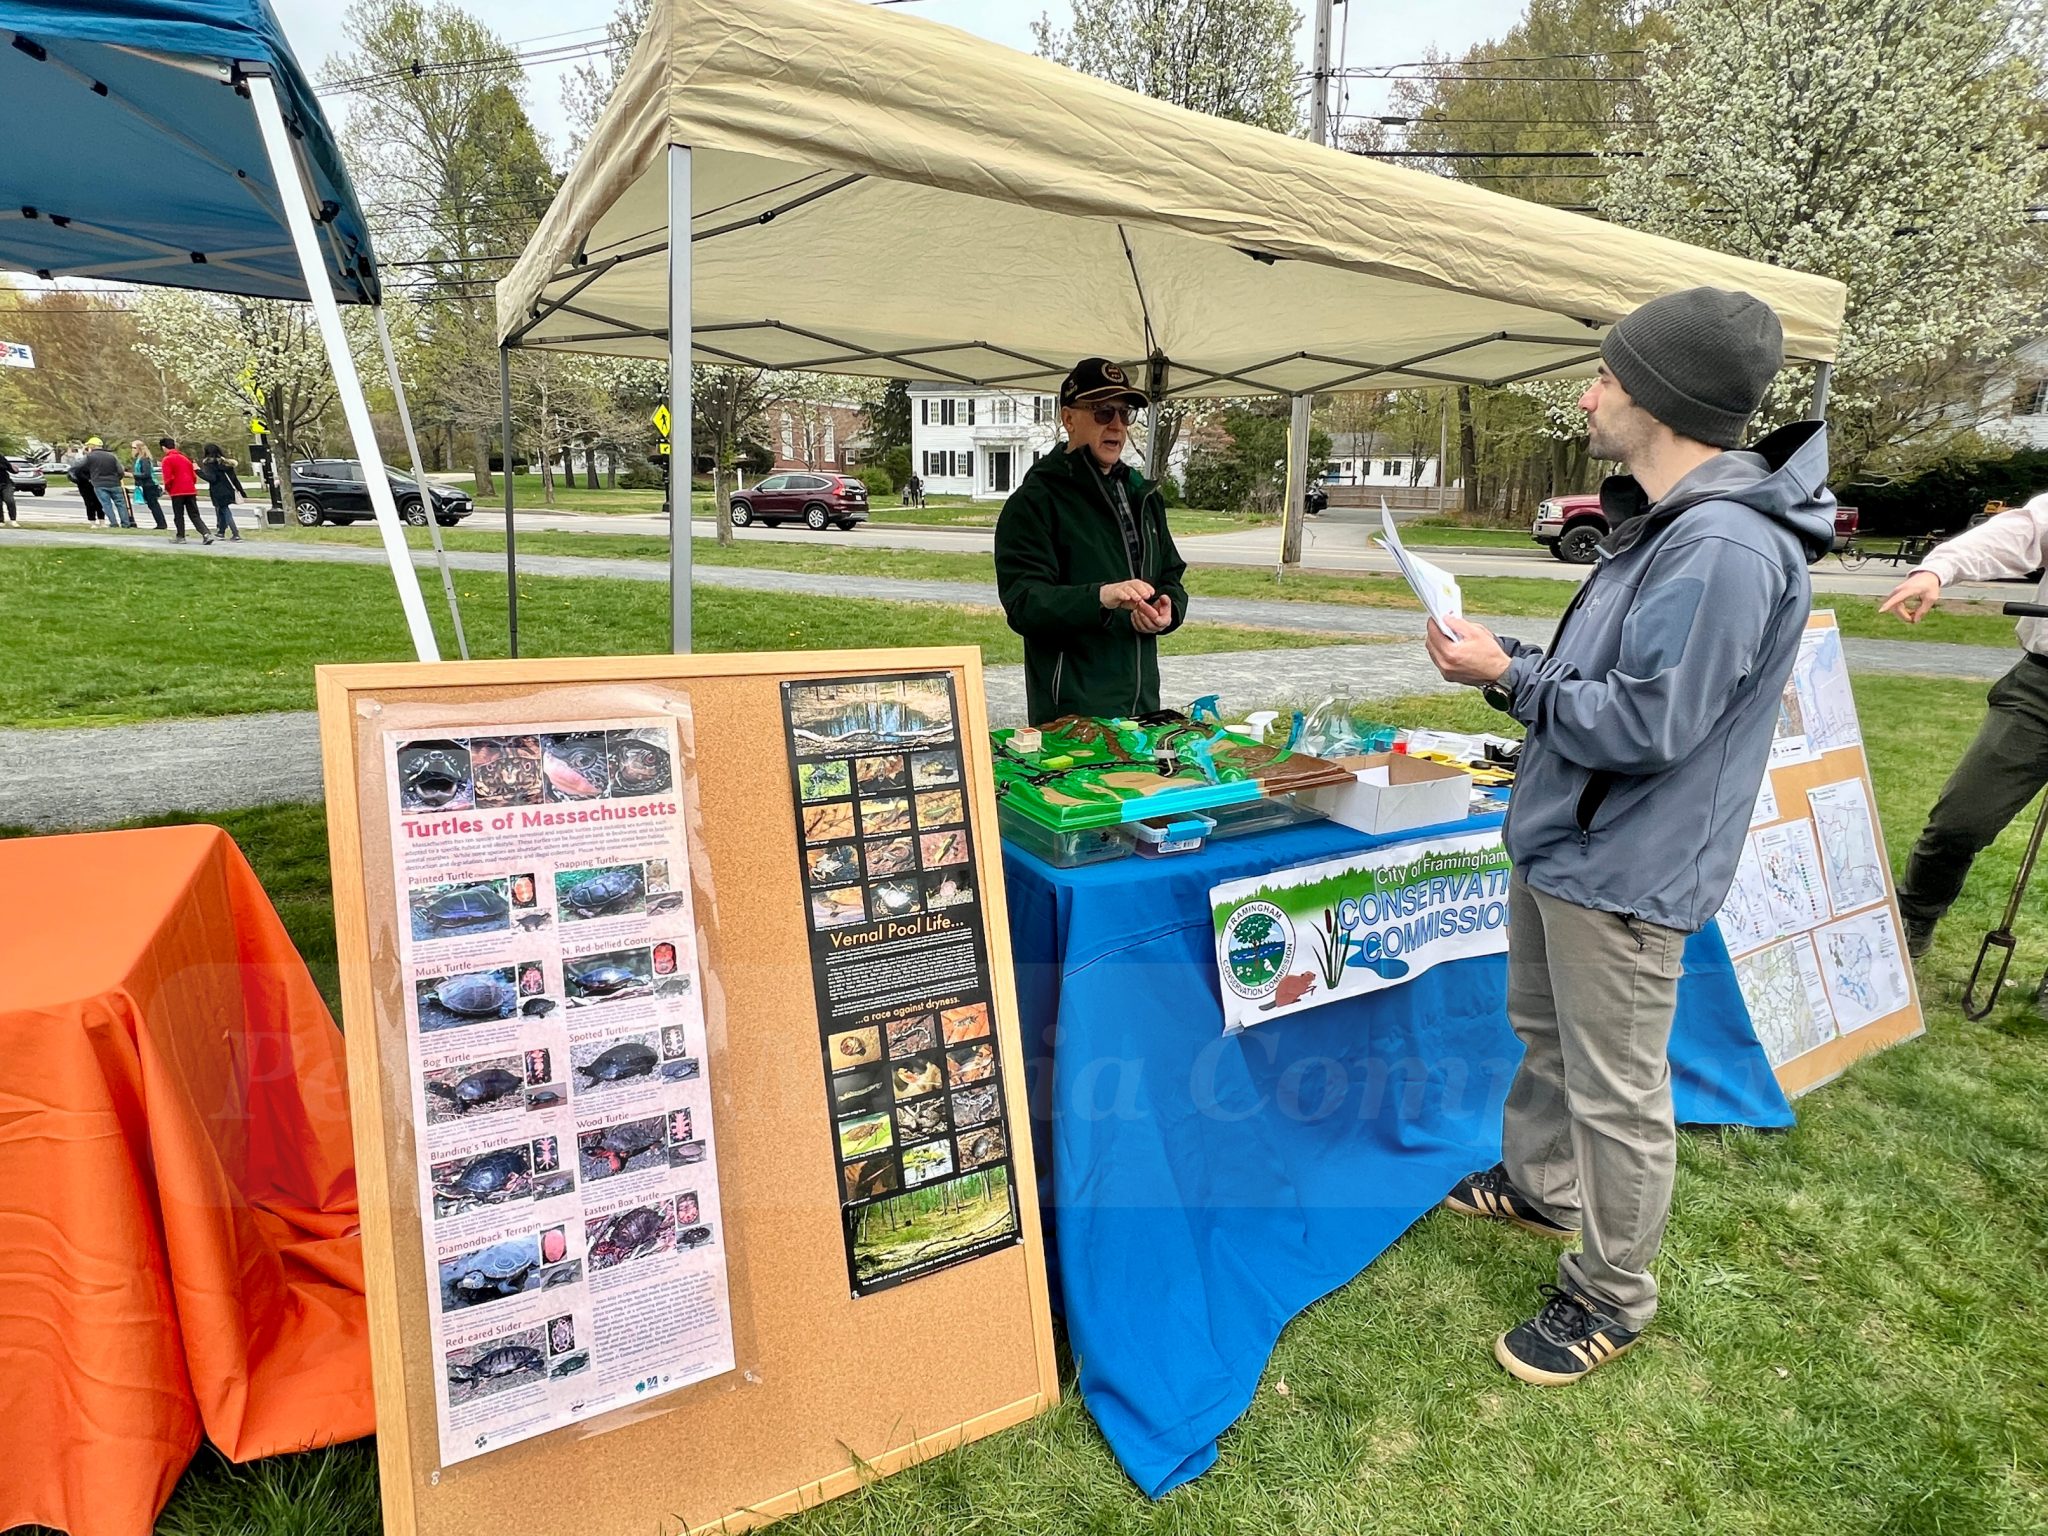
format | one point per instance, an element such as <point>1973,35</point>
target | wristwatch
<point>1499,696</point>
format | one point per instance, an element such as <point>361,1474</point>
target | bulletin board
<point>1812,921</point>
<point>826,1373</point>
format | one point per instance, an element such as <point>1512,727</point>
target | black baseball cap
<point>1096,379</point>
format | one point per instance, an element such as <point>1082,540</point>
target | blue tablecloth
<point>1200,1189</point>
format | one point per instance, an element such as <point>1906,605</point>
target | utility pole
<point>1297,428</point>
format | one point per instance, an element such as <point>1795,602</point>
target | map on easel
<point>1812,921</point>
<point>1090,772</point>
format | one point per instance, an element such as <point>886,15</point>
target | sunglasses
<point>1105,414</point>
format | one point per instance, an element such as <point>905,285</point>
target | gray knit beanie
<point>1699,361</point>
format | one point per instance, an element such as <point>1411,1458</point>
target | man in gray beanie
<point>1649,724</point>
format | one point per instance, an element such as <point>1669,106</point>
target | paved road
<point>1339,541</point>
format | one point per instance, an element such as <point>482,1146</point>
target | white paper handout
<point>1435,587</point>
<point>1792,875</point>
<point>1820,677</point>
<point>1866,978</point>
<point>1748,918</point>
<point>1766,804</point>
<point>1788,740</point>
<point>1788,1006</point>
<point>1848,845</point>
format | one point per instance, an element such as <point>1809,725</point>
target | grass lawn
<point>100,637</point>
<point>1850,1341</point>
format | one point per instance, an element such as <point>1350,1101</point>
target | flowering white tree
<point>1891,144</point>
<point>254,357</point>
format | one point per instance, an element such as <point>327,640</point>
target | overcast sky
<point>1380,32</point>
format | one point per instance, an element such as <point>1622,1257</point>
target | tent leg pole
<point>1155,391</point>
<point>511,538</point>
<point>284,167</point>
<point>1296,502</point>
<point>1823,376</point>
<point>679,382</point>
<point>419,476</point>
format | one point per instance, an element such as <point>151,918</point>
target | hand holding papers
<point>1435,587</point>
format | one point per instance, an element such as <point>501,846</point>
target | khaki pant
<point>1588,1134</point>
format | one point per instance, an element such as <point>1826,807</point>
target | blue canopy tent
<point>178,143</point>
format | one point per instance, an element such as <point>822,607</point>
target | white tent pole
<point>1823,375</point>
<point>298,217</point>
<point>419,478</point>
<point>679,455</point>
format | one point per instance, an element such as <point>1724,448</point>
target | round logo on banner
<point>1258,942</point>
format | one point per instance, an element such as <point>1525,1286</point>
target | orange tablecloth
<point>178,1248</point>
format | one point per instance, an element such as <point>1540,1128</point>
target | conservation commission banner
<point>1302,937</point>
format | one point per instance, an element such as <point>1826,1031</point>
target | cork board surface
<point>827,1388</point>
<point>1790,785</point>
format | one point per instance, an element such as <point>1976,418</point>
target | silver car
<point>28,476</point>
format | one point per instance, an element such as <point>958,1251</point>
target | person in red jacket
<point>181,484</point>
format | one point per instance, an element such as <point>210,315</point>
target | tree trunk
<point>590,464</point>
<point>611,466</point>
<point>721,468</point>
<point>1468,450</point>
<point>481,445</point>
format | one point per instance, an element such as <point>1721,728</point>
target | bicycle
<point>1910,550</point>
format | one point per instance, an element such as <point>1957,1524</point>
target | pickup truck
<point>1573,526</point>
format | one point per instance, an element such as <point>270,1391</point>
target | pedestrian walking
<point>74,471</point>
<point>7,517</point>
<point>226,489</point>
<point>105,473</point>
<point>144,470</point>
<point>181,484</point>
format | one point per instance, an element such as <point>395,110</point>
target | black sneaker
<point>1490,1194</point>
<point>1919,937</point>
<point>1571,1337</point>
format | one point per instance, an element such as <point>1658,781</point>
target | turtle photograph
<point>491,1273</point>
<point>980,1148</point>
<point>434,776</point>
<point>466,997</point>
<point>639,762</point>
<point>507,771</point>
<point>682,1154</point>
<point>497,1365</point>
<point>611,890</point>
<point>628,1147</point>
<point>603,978</point>
<point>576,765</point>
<point>638,1233</point>
<point>489,1178</point>
<point>473,1090</point>
<point>459,909</point>
<point>612,1063</point>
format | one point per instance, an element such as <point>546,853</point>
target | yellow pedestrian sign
<point>662,420</point>
<point>256,428</point>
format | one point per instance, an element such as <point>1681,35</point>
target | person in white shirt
<point>2007,764</point>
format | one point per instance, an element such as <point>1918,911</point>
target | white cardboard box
<point>1395,793</point>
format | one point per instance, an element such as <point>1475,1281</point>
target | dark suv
<point>336,491</point>
<point>815,499</point>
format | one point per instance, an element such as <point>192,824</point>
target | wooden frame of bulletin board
<point>827,1389</point>
<point>1789,784</point>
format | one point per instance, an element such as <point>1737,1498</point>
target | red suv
<point>815,499</point>
<point>1573,527</point>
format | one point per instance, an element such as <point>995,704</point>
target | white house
<point>1363,458</point>
<point>974,442</point>
<point>2015,408</point>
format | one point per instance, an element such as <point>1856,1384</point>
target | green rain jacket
<point>1057,544</point>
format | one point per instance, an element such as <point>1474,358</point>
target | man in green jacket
<point>1086,567</point>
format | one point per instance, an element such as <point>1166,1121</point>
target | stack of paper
<point>1435,587</point>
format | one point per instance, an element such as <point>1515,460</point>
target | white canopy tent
<point>868,192</point>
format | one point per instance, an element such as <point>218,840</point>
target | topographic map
<point>1860,961</point>
<point>1820,677</point>
<point>1848,845</point>
<point>1748,920</point>
<point>1787,1003</point>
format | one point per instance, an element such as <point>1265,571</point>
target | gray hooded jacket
<point>1650,718</point>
